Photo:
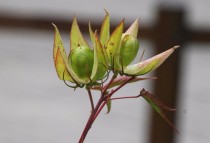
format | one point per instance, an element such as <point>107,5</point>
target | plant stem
<point>100,105</point>
<point>90,121</point>
<point>95,110</point>
<point>125,97</point>
<point>110,82</point>
<point>110,95</point>
<point>119,87</point>
<point>90,97</point>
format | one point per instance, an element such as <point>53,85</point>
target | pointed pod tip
<point>154,78</point>
<point>137,20</point>
<point>133,29</point>
<point>122,22</point>
<point>136,23</point>
<point>106,11</point>
<point>54,25</point>
<point>74,19</point>
<point>89,26</point>
<point>96,33</point>
<point>74,15</point>
<point>176,47</point>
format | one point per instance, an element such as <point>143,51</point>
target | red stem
<point>99,110</point>
<point>125,97</point>
<point>127,81</point>
<point>91,98</point>
<point>110,95</point>
<point>110,82</point>
<point>101,103</point>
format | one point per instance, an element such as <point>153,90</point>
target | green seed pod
<point>81,60</point>
<point>129,49</point>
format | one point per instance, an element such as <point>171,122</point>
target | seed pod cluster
<point>86,65</point>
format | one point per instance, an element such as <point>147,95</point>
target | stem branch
<point>100,104</point>
<point>125,97</point>
<point>90,97</point>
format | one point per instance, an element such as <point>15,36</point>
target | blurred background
<point>36,107</point>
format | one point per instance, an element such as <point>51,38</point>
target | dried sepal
<point>76,37</point>
<point>59,55</point>
<point>133,29</point>
<point>149,64</point>
<point>92,35</point>
<point>105,30</point>
<point>102,59</point>
<point>112,48</point>
<point>61,68</point>
<point>62,61</point>
<point>96,60</point>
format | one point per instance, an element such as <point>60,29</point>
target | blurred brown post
<point>168,32</point>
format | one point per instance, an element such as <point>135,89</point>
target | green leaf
<point>114,43</point>
<point>149,64</point>
<point>158,106</point>
<point>105,30</point>
<point>76,37</point>
<point>108,105</point>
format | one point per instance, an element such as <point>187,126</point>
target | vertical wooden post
<point>169,32</point>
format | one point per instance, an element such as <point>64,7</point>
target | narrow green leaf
<point>158,106</point>
<point>109,105</point>
<point>149,64</point>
